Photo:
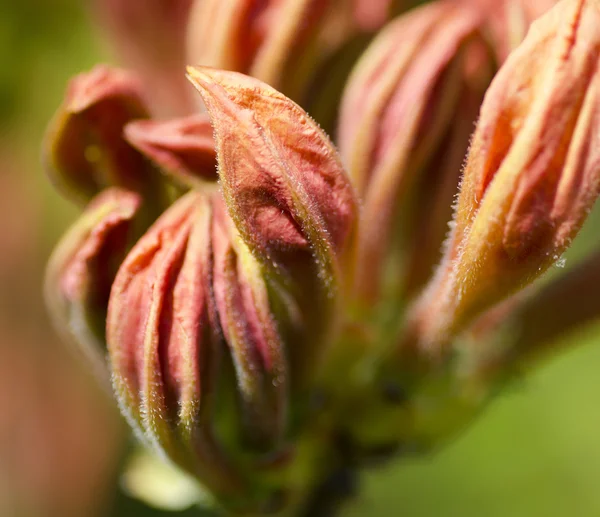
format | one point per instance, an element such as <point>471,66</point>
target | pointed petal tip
<point>199,76</point>
<point>206,79</point>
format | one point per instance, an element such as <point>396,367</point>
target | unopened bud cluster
<point>272,308</point>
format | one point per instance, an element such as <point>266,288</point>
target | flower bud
<point>184,147</point>
<point>399,102</point>
<point>150,38</point>
<point>282,180</point>
<point>163,343</point>
<point>84,148</point>
<point>532,174</point>
<point>82,268</point>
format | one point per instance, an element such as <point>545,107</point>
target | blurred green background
<point>535,452</point>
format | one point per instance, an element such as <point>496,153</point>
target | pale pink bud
<point>282,180</point>
<point>164,345</point>
<point>399,102</point>
<point>533,171</point>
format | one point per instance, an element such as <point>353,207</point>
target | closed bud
<point>532,174</point>
<point>282,181</point>
<point>395,113</point>
<point>82,268</point>
<point>84,150</point>
<point>163,341</point>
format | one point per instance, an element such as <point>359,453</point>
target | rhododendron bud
<point>397,106</point>
<point>532,175</point>
<point>82,268</point>
<point>84,149</point>
<point>282,180</point>
<point>163,342</point>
